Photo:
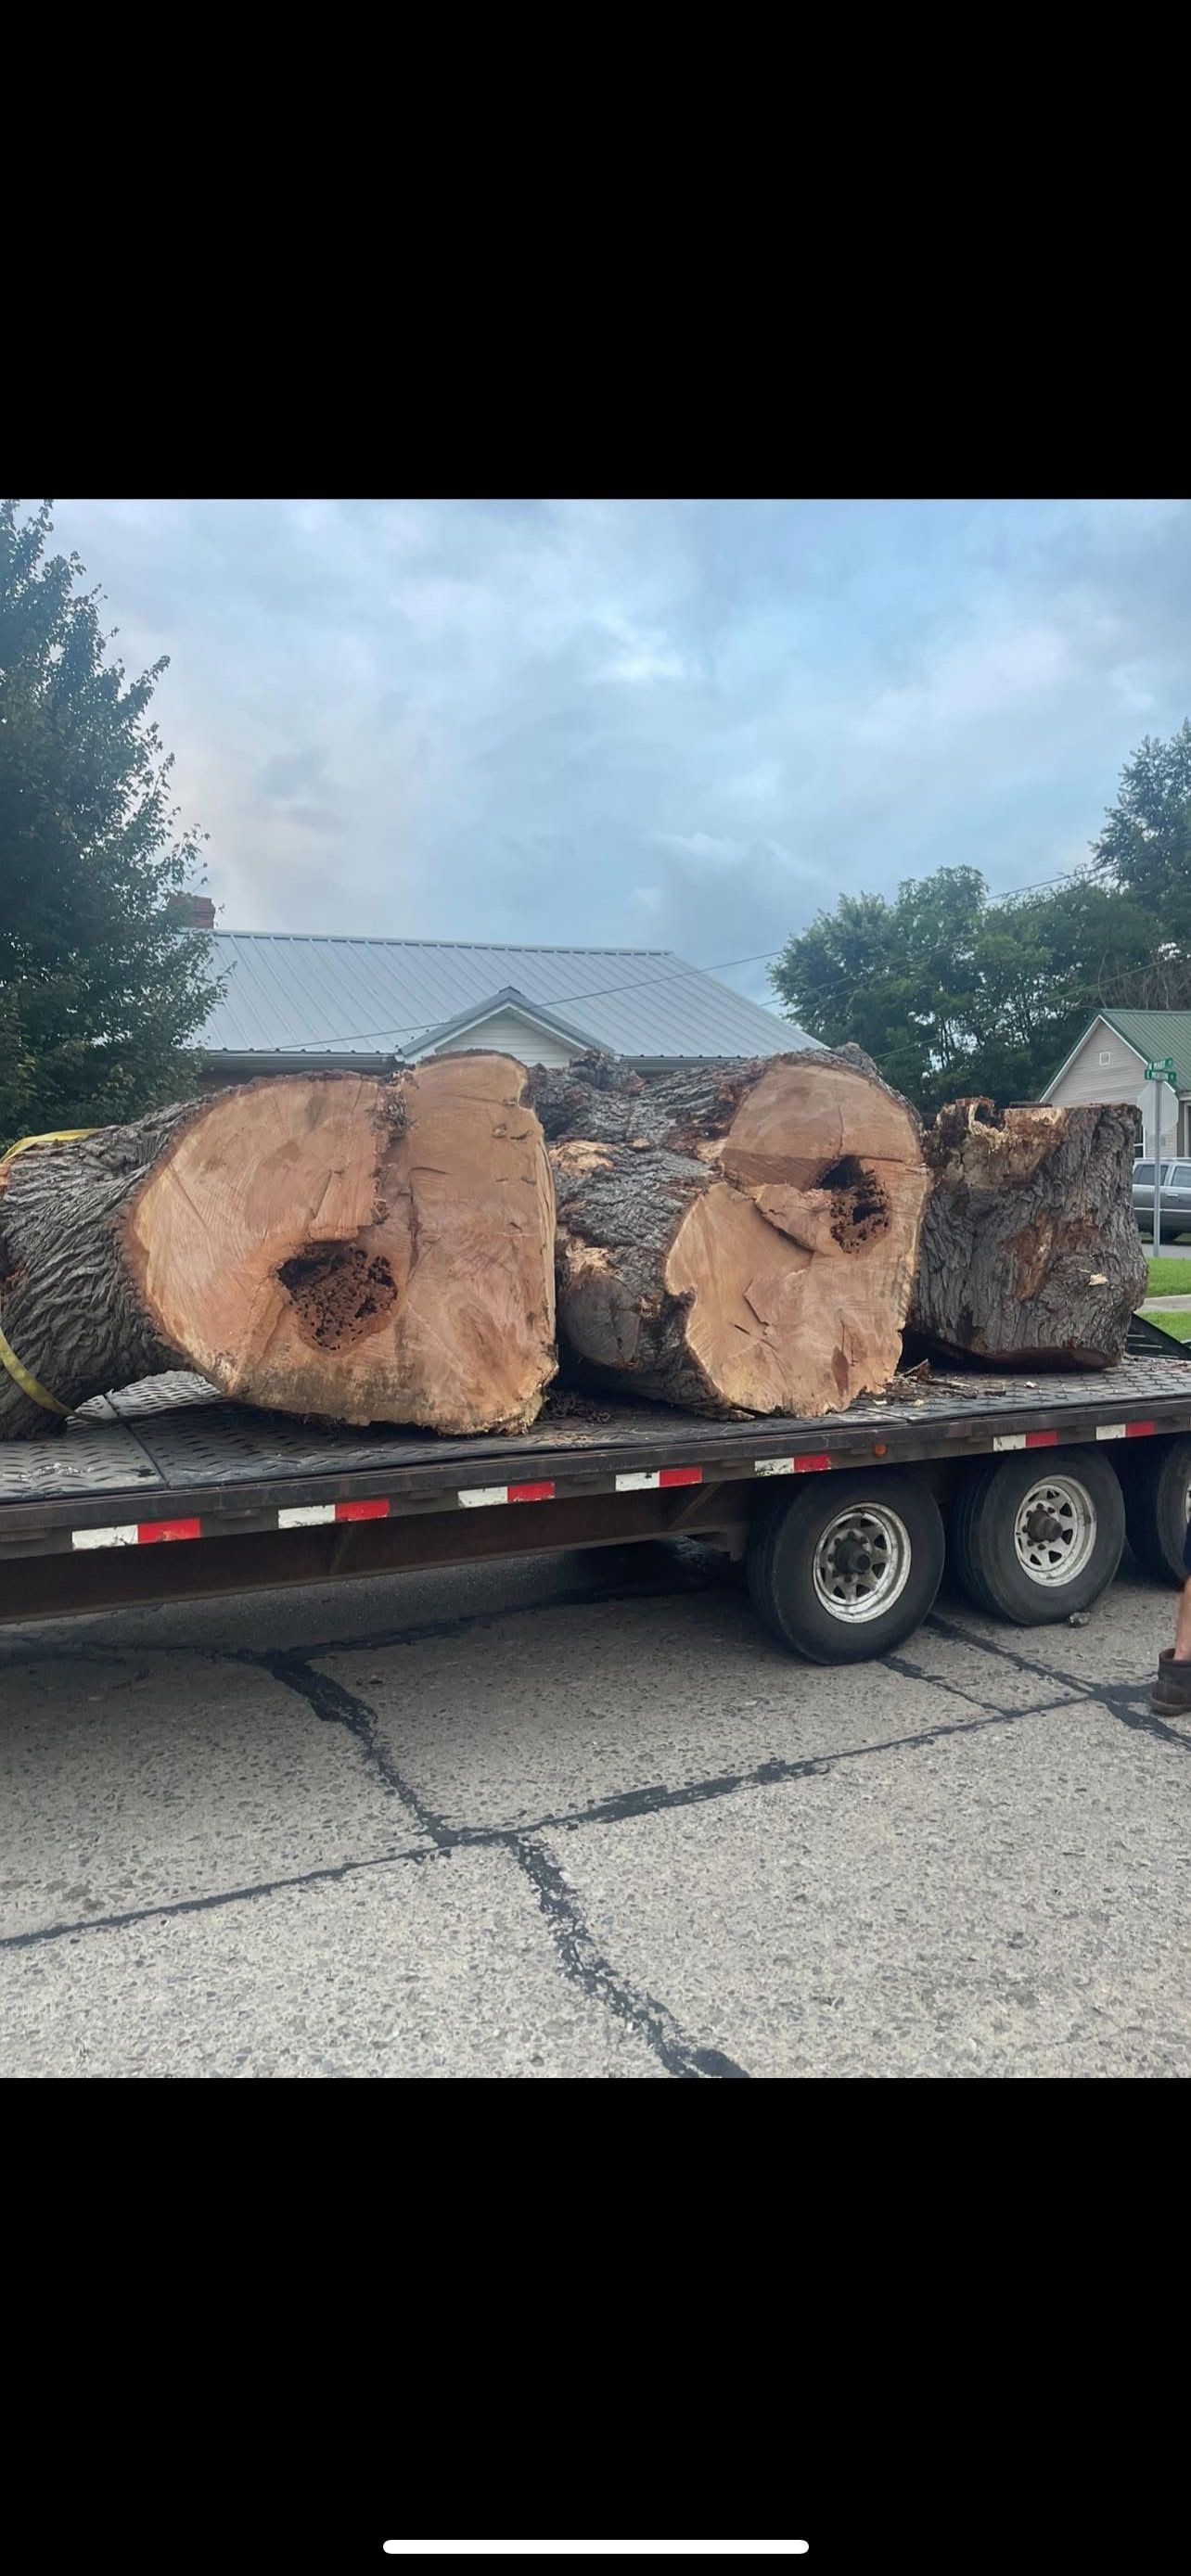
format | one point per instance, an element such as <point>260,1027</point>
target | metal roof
<point>1156,1034</point>
<point>1151,1034</point>
<point>290,994</point>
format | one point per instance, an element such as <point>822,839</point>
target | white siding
<point>1122,1078</point>
<point>1087,1079</point>
<point>506,1033</point>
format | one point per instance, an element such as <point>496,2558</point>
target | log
<point>327,1244</point>
<point>1030,1253</point>
<point>733,1238</point>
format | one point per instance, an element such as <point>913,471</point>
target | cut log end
<point>330,1244</point>
<point>372,1251</point>
<point>740,1240</point>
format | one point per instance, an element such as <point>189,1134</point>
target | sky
<point>661,724</point>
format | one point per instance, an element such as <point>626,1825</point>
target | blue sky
<point>682,724</point>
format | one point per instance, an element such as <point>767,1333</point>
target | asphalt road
<point>580,1817</point>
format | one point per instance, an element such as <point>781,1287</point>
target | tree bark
<point>734,1238</point>
<point>1030,1252</point>
<point>320,1244</point>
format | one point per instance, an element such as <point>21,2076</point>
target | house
<point>1109,1064</point>
<point>292,1000</point>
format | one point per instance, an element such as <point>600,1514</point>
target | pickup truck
<point>1176,1197</point>
<point>1026,1486</point>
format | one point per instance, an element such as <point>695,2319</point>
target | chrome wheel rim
<point>1055,1530</point>
<point>862,1562</point>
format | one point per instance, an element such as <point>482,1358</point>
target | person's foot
<point>1172,1690</point>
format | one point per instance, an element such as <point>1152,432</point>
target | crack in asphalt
<point>580,1961</point>
<point>577,1953</point>
<point>1128,1702</point>
<point>339,1707</point>
<point>682,1580</point>
<point>622,1807</point>
<point>585,1966</point>
<point>325,1874</point>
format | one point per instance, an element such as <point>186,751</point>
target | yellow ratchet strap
<point>24,1377</point>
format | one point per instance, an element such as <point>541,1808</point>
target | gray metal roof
<point>292,994</point>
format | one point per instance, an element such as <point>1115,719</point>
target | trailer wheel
<point>1158,1506</point>
<point>1032,1540</point>
<point>845,1570</point>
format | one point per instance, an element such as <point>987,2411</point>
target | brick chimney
<point>192,911</point>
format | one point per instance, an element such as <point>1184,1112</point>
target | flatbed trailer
<point>1027,1485</point>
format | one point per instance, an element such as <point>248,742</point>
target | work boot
<point>1172,1691</point>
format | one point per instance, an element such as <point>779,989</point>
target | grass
<point>1169,1278</point>
<point>1178,1324</point>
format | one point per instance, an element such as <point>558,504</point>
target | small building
<point>1109,1063</point>
<point>291,1000</point>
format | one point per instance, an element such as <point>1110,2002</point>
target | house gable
<point>1103,1066</point>
<point>508,1034</point>
<point>509,1025</point>
<point>1108,1065</point>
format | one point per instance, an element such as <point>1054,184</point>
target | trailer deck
<point>160,1457</point>
<point>90,1512</point>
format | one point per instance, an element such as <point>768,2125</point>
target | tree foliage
<point>99,993</point>
<point>1145,852</point>
<point>953,993</point>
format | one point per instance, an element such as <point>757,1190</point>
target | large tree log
<point>734,1238</point>
<point>1030,1253</point>
<point>322,1244</point>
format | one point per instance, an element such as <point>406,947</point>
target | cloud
<point>295,786</point>
<point>641,657</point>
<point>685,724</point>
<point>290,770</point>
<point>967,685</point>
<point>700,845</point>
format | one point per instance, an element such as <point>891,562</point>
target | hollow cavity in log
<point>338,1292</point>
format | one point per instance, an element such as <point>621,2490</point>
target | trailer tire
<point>845,1570</point>
<point>1157,1494</point>
<point>1033,1538</point>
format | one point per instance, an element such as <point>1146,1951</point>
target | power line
<point>1064,879</point>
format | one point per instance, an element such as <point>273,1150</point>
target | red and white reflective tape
<point>135,1533</point>
<point>656,1479</point>
<point>311,1515</point>
<point>300,1516</point>
<point>472,1497</point>
<point>1049,1439</point>
<point>811,1463</point>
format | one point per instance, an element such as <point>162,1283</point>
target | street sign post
<point>1160,1071</point>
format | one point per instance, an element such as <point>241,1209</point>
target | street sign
<point>1162,1070</point>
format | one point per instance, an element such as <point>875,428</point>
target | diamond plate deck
<point>158,1395</point>
<point>93,1453</point>
<point>173,1433</point>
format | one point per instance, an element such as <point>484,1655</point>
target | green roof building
<point>1109,1064</point>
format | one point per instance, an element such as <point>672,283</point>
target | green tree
<point>99,992</point>
<point>1145,851</point>
<point>951,993</point>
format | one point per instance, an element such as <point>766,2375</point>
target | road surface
<point>580,1817</point>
